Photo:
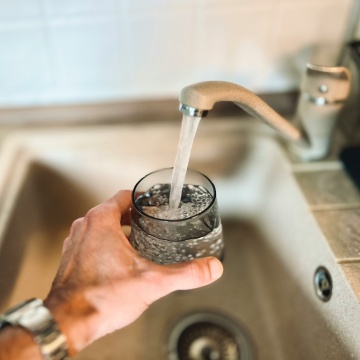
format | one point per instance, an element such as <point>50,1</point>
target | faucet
<point>324,91</point>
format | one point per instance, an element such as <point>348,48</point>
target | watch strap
<point>36,318</point>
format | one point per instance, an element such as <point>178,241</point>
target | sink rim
<point>16,149</point>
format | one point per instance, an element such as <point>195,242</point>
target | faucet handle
<point>324,91</point>
<point>326,84</point>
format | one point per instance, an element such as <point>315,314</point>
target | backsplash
<point>75,51</point>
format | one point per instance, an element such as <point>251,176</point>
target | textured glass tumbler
<point>170,236</point>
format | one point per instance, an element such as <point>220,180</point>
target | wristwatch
<point>36,318</point>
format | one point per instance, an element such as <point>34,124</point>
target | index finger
<point>115,210</point>
<point>122,202</point>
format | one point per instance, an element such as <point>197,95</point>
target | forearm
<point>18,344</point>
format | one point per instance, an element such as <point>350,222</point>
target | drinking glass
<point>166,235</point>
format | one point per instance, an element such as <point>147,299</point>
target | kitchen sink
<point>264,307</point>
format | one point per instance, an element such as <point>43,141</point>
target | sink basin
<point>265,303</point>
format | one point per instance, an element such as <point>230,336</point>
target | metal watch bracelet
<point>36,318</point>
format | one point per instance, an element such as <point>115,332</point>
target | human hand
<point>103,284</point>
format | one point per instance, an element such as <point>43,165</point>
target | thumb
<point>193,274</point>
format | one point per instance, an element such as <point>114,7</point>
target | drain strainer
<point>208,336</point>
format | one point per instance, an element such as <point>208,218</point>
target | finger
<point>113,210</point>
<point>123,201</point>
<point>73,235</point>
<point>76,227</point>
<point>192,274</point>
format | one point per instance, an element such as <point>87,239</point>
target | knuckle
<point>66,244</point>
<point>93,216</point>
<point>75,226</point>
<point>76,223</point>
<point>93,212</point>
<point>98,213</point>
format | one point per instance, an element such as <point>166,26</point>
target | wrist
<point>18,343</point>
<point>74,316</point>
<point>32,318</point>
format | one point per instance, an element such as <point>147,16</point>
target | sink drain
<point>208,336</point>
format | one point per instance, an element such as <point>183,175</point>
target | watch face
<point>30,314</point>
<point>34,318</point>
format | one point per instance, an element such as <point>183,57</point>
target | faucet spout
<point>324,91</point>
<point>200,98</point>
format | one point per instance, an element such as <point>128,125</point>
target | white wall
<point>61,51</point>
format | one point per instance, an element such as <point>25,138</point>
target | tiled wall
<point>59,51</point>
